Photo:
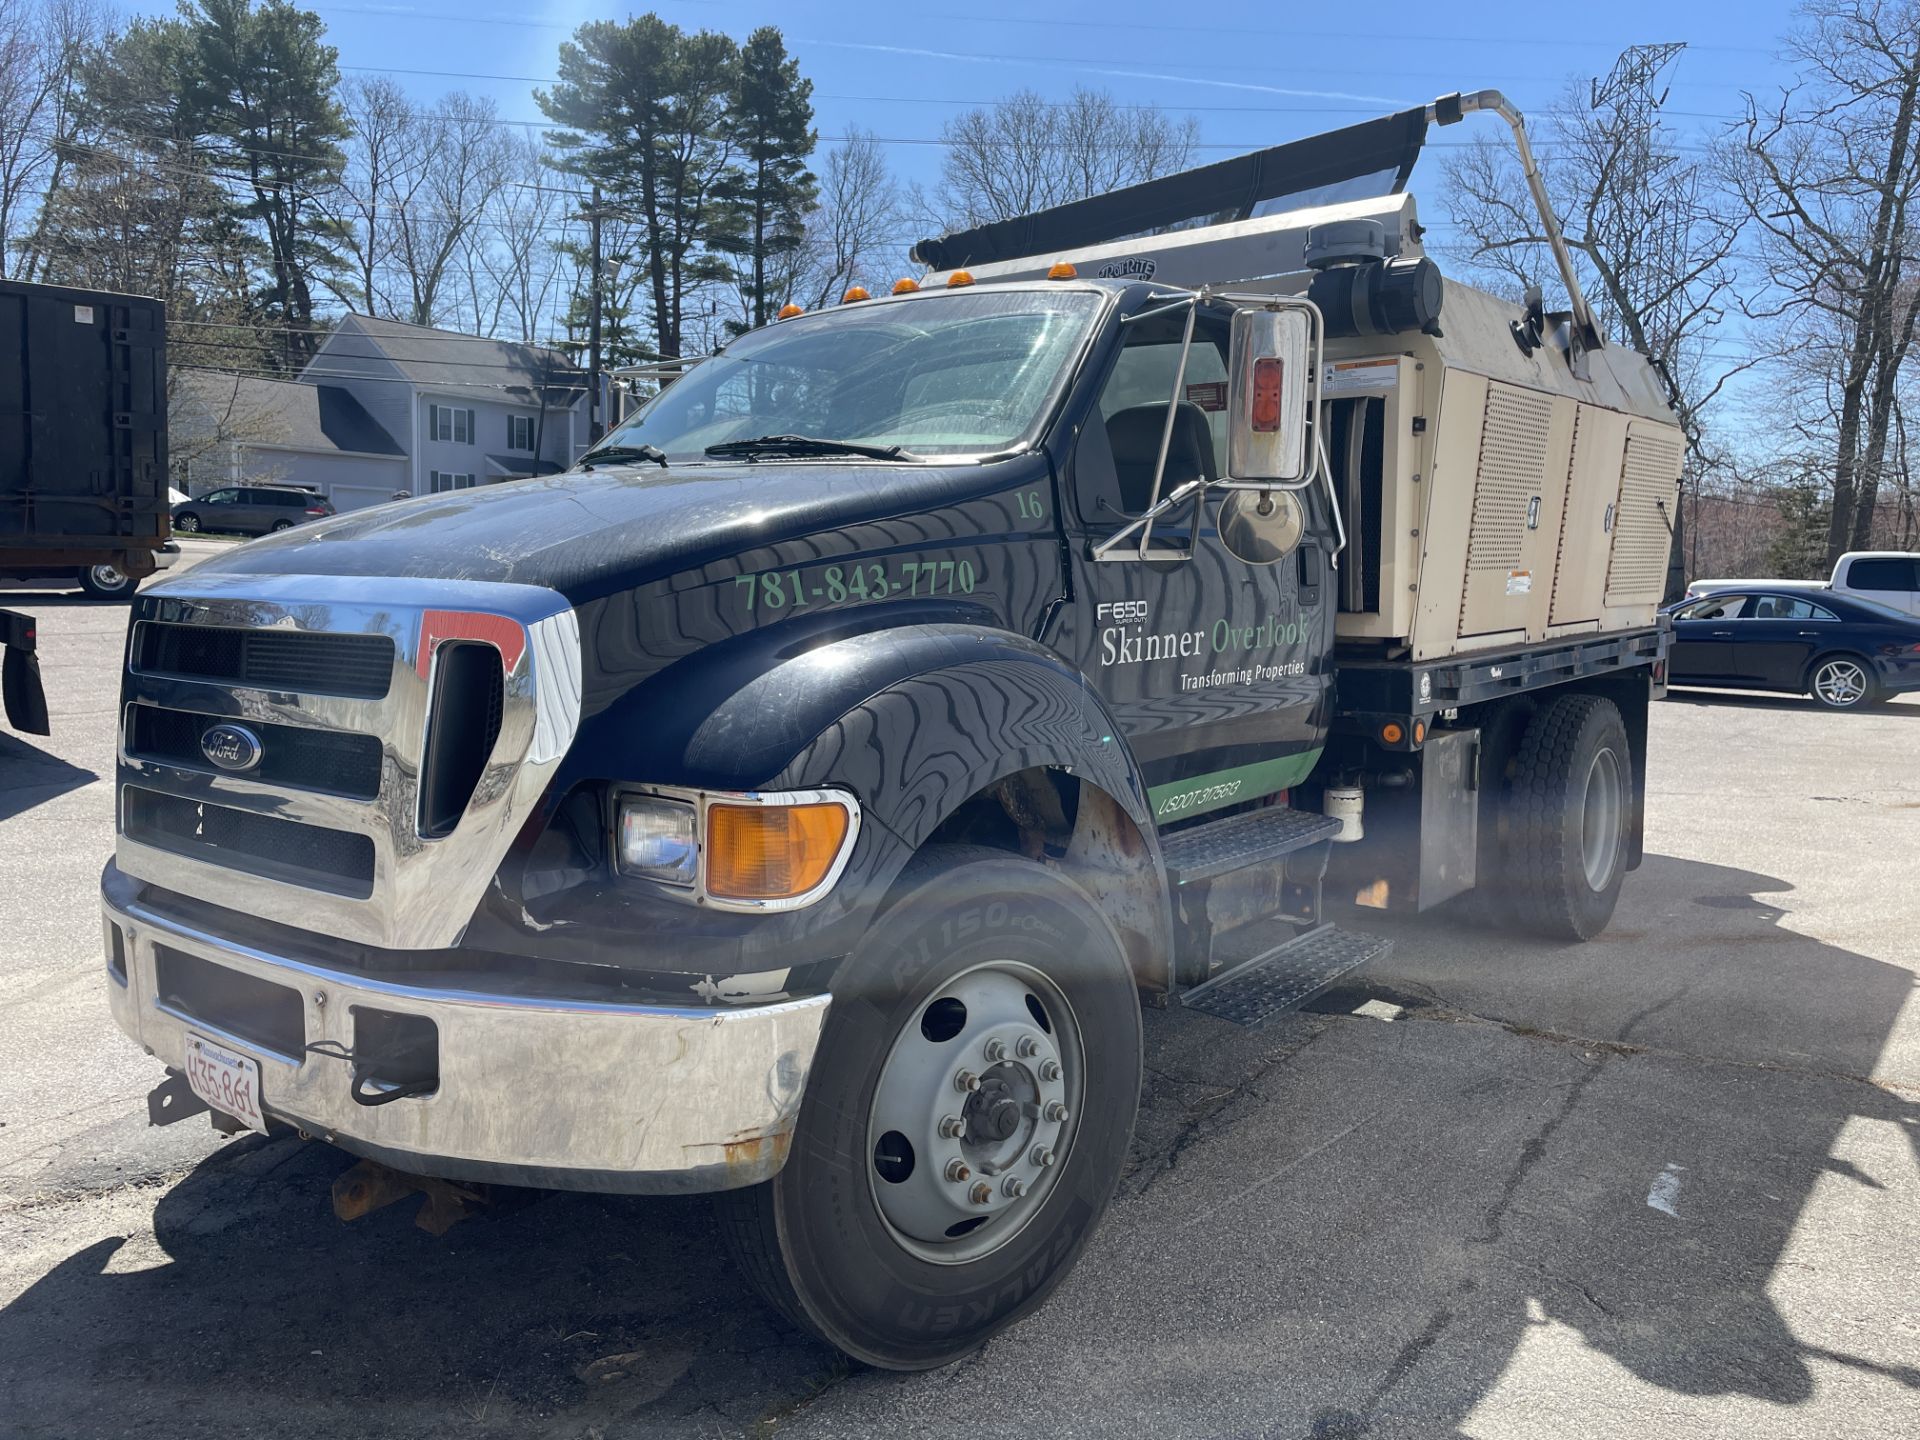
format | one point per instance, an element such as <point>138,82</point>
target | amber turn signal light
<point>1391,733</point>
<point>772,852</point>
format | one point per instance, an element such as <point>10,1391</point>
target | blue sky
<point>1245,71</point>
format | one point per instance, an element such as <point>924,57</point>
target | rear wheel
<point>1572,798</point>
<point>280,525</point>
<point>107,582</point>
<point>1842,682</point>
<point>965,1122</point>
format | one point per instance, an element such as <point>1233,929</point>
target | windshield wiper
<point>613,454</point>
<point>805,445</point>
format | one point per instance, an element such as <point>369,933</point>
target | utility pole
<point>593,331</point>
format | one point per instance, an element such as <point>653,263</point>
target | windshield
<point>940,375</point>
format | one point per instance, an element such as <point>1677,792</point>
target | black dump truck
<point>83,456</point>
<point>795,800</point>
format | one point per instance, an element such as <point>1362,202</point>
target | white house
<point>386,409</point>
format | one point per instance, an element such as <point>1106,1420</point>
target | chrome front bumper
<point>533,1088</point>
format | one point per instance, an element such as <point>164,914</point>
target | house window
<point>520,432</point>
<point>442,480</point>
<point>450,422</point>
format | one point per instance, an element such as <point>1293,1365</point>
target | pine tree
<point>644,110</point>
<point>1799,551</point>
<point>263,87</point>
<point>769,191</point>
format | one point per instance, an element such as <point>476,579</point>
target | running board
<point>1259,837</point>
<point>1283,978</point>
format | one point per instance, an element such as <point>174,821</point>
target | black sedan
<point>1846,653</point>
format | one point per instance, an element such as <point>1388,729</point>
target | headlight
<point>657,840</point>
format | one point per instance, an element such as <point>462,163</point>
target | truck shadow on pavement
<point>1332,1227</point>
<point>30,776</point>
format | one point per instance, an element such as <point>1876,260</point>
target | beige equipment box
<point>1491,497</point>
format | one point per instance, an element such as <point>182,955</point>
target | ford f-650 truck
<point>794,800</point>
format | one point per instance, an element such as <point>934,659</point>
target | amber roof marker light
<point>1061,270</point>
<point>904,286</point>
<point>855,294</point>
<point>959,278</point>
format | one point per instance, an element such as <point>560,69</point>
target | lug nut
<point>952,1127</point>
<point>996,1050</point>
<point>1056,1112</point>
<point>981,1194</point>
<point>1027,1048</point>
<point>966,1080</point>
<point>958,1172</point>
<point>1049,1069</point>
<point>1042,1156</point>
<point>1014,1188</point>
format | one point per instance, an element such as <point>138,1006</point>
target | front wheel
<point>1572,798</point>
<point>188,524</point>
<point>966,1119</point>
<point>1842,682</point>
<point>107,582</point>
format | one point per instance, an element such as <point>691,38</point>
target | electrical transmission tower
<point>1644,233</point>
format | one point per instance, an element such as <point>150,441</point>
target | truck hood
<point>590,534</point>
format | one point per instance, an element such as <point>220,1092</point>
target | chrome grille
<point>327,830</point>
<point>286,850</point>
<point>356,665</point>
<point>330,761</point>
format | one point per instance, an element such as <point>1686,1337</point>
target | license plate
<point>226,1080</point>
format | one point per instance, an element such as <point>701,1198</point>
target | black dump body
<point>83,429</point>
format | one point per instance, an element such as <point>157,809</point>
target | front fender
<point>947,711</point>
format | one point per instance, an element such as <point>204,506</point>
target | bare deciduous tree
<point>1651,234</point>
<point>857,224</point>
<point>1028,153</point>
<point>1828,173</point>
<point>41,46</point>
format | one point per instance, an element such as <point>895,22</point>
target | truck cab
<point>796,800</point>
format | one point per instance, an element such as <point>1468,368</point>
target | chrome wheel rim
<point>107,577</point>
<point>974,1114</point>
<point>1840,683</point>
<point>1600,819</point>
<point>188,523</point>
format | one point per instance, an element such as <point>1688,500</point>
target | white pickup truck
<point>1891,577</point>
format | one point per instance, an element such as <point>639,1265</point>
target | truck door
<point>1218,670</point>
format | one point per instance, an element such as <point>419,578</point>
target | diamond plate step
<point>1255,838</point>
<point>1284,977</point>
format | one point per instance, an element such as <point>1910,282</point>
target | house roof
<point>291,413</point>
<point>448,360</point>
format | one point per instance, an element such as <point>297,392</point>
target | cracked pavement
<point>1338,1225</point>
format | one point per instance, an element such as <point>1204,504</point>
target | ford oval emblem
<point>231,747</point>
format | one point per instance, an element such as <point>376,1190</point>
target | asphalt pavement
<point>1666,1182</point>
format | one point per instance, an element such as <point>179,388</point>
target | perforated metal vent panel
<point>1513,462</point>
<point>1642,534</point>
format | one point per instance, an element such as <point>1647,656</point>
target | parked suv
<point>250,509</point>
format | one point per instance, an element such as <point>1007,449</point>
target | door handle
<point>1806,632</point>
<point>1721,634</point>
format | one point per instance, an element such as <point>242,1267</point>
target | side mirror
<point>1272,351</point>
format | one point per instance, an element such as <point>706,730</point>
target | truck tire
<point>966,1118</point>
<point>107,582</point>
<point>1571,796</point>
<point>1842,682</point>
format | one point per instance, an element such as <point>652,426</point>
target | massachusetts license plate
<point>226,1080</point>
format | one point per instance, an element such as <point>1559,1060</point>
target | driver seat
<point>1134,436</point>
